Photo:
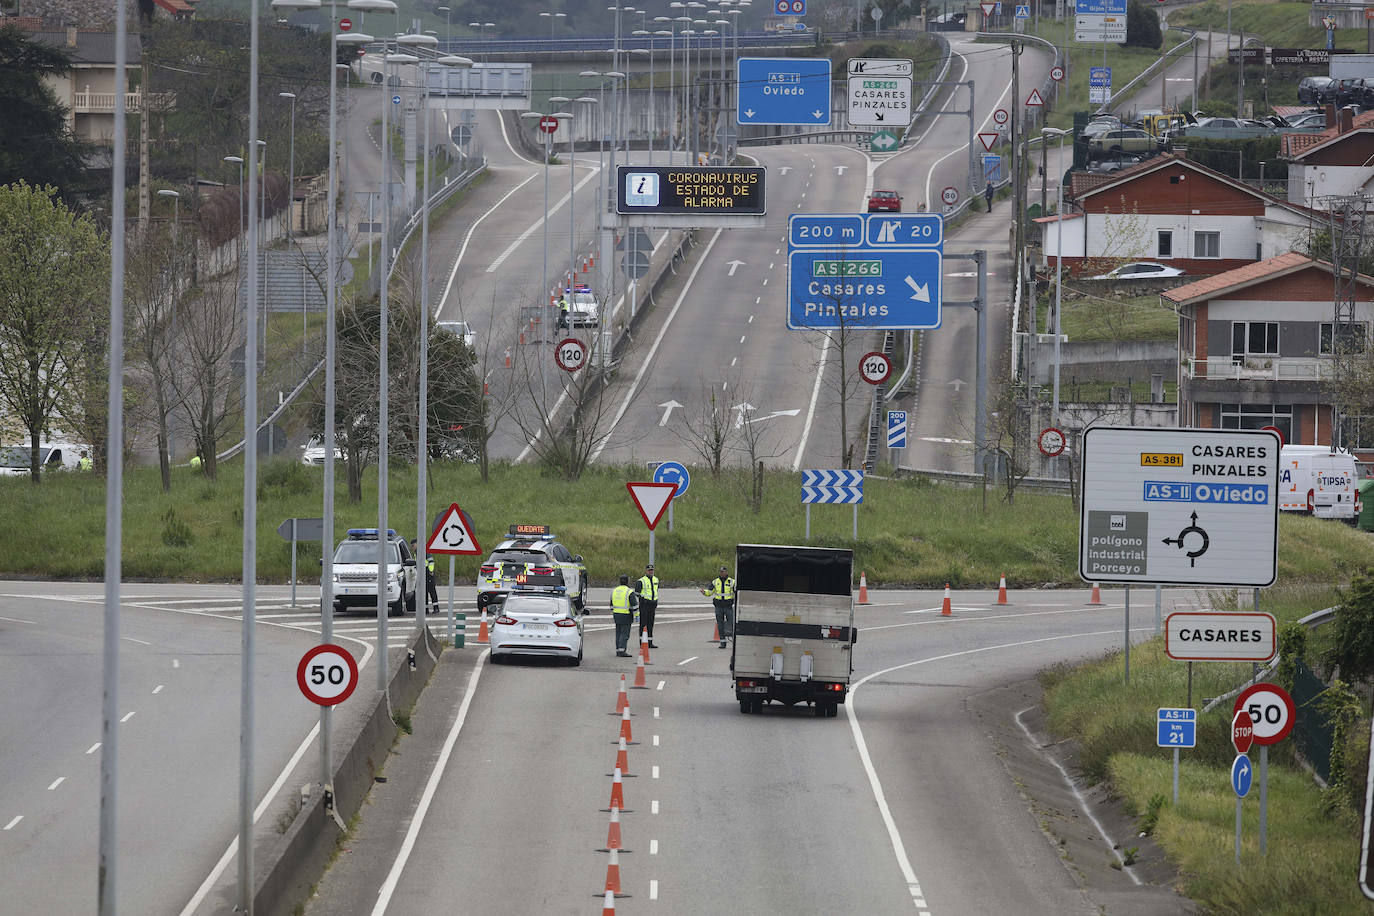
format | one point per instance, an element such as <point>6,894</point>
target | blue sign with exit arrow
<point>1242,774</point>
<point>869,288</point>
<point>783,90</point>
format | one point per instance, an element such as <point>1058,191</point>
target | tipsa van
<point>1318,481</point>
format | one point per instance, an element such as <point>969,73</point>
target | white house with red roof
<point>1174,211</point>
<point>1334,162</point>
<point>1255,350</point>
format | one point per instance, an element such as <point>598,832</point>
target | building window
<point>1258,416</point>
<point>1166,243</point>
<point>1359,334</point>
<point>1206,244</point>
<point>1254,338</point>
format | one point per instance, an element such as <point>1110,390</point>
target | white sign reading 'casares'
<point>880,92</point>
<point>1220,636</point>
<point>1183,506</point>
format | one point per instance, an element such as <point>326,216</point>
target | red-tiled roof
<point>1249,275</point>
<point>1054,219</point>
<point>1296,144</point>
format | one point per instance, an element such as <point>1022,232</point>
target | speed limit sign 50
<point>327,675</point>
<point>1271,709</point>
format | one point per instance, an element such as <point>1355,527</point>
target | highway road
<point>900,805</point>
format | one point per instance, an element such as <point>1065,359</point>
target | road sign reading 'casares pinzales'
<point>1186,506</point>
<point>838,486</point>
<point>879,92</point>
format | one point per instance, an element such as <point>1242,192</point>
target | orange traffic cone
<point>1002,590</point>
<point>715,633</point>
<point>639,674</point>
<point>482,635</point>
<point>644,647</point>
<point>617,794</point>
<point>608,909</point>
<point>863,588</point>
<point>613,834</point>
<point>625,725</point>
<point>1096,599</point>
<point>613,876</point>
<point>507,357</point>
<point>945,610</point>
<point>622,700</point>
<point>622,759</point>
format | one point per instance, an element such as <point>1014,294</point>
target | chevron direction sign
<point>832,486</point>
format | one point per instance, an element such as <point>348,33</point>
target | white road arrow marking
<point>839,169</point>
<point>784,169</point>
<point>777,413</point>
<point>734,265</point>
<point>743,409</point>
<point>920,291</point>
<point>956,384</point>
<point>668,407</point>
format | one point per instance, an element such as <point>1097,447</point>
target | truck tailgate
<point>795,624</point>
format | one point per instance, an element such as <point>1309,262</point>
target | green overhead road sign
<point>882,141</point>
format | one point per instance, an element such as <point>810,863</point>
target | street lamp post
<point>552,17</point>
<point>291,169</point>
<point>238,247</point>
<point>572,190</point>
<point>176,211</point>
<point>649,109</point>
<point>668,33</point>
<point>600,158</point>
<point>448,28</point>
<point>542,301</point>
<point>1058,264</point>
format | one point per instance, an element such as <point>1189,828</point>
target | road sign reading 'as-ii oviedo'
<point>783,90</point>
<point>1184,506</point>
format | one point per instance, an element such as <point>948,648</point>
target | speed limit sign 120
<point>1271,709</point>
<point>570,354</point>
<point>874,368</point>
<point>327,675</point>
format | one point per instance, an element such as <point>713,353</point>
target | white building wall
<point>1130,236</point>
<point>1308,184</point>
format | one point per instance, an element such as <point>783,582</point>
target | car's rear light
<point>488,569</point>
<point>835,687</point>
<point>565,622</point>
<point>505,621</point>
<point>542,570</point>
<point>743,682</point>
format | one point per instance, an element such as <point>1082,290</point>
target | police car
<point>582,308</point>
<point>532,557</point>
<point>537,621</point>
<point>355,572</point>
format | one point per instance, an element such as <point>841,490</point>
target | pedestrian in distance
<point>85,463</point>
<point>195,461</point>
<point>431,593</point>
<point>563,321</point>
<point>987,194</point>
<point>647,589</point>
<point>624,601</point>
<point>722,595</point>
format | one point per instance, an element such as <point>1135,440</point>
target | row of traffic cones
<point>614,844</point>
<point>947,611</point>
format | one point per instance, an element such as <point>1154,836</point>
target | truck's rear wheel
<point>832,709</point>
<point>820,709</point>
<point>746,706</point>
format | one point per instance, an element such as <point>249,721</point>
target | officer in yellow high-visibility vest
<point>722,595</point>
<point>624,601</point>
<point>431,594</point>
<point>647,587</point>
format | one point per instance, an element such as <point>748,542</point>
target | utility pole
<point>1017,155</point>
<point>1240,82</point>
<point>1347,241</point>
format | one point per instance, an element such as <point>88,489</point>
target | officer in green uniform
<point>722,595</point>
<point>85,463</point>
<point>563,312</point>
<point>624,601</point>
<point>647,587</point>
<point>431,594</point>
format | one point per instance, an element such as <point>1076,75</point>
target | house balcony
<point>84,101</point>
<point>1260,369</point>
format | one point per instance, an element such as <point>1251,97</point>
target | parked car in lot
<point>1099,124</point>
<point>1316,90</point>
<point>1308,120</point>
<point>1225,129</point>
<point>1139,270</point>
<point>889,201</point>
<point>1125,140</point>
<point>1109,164</point>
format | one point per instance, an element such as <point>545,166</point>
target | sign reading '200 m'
<point>692,190</point>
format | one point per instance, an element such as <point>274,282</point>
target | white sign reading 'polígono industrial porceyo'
<point>1187,506</point>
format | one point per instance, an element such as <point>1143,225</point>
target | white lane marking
<point>751,317</point>
<point>733,360</point>
<point>811,409</point>
<point>417,820</point>
<point>765,281</point>
<point>655,712</point>
<point>17,620</point>
<point>453,274</point>
<point>653,847</point>
<point>692,659</point>
<point>770,265</point>
<point>653,889</point>
<point>1082,801</point>
<point>308,742</point>
<point>534,227</point>
<point>93,748</point>
<point>139,641</point>
<point>655,742</point>
<point>176,662</point>
<point>741,339</point>
<point>1067,610</point>
<point>660,685</point>
<point>17,819</point>
<point>649,357</point>
<point>157,689</point>
<point>653,806</point>
<point>898,848</point>
<point>56,782</point>
<point>653,772</point>
<point>127,716</point>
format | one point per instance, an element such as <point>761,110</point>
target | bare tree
<point>205,376</point>
<point>1010,436</point>
<point>706,427</point>
<point>494,369</point>
<point>152,287</point>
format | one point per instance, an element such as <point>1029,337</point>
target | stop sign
<point>1242,731</point>
<point>548,124</point>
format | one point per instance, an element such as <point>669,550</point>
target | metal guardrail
<point>1148,72</point>
<point>747,40</point>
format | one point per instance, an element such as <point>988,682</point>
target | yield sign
<point>1034,98</point>
<point>651,499</point>
<point>453,535</point>
<point>988,8</point>
<point>989,140</point>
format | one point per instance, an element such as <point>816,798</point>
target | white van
<point>1318,481</point>
<point>52,456</point>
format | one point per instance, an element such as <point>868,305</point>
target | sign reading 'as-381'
<point>690,190</point>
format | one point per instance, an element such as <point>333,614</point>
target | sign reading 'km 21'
<point>691,190</point>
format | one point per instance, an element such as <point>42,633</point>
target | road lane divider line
<point>157,689</point>
<point>93,748</point>
<point>689,660</point>
<point>660,685</point>
<point>431,786</point>
<point>11,824</point>
<point>17,620</point>
<point>653,847</point>
<point>56,782</point>
<point>653,772</point>
<point>524,236</point>
<point>139,641</point>
<point>653,889</point>
<point>653,806</point>
<point>127,716</point>
<point>1067,610</point>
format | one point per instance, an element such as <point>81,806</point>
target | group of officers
<point>642,598</point>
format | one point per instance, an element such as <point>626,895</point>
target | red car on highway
<point>889,201</point>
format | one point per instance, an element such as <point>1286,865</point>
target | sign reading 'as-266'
<point>1179,505</point>
<point>689,190</point>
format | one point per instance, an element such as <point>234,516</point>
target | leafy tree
<point>1352,643</point>
<point>36,145</point>
<point>54,270</point>
<point>1142,26</point>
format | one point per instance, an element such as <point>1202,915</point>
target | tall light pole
<point>733,104</point>
<point>681,114</point>
<point>572,188</point>
<point>448,29</point>
<point>600,163</point>
<point>291,169</point>
<point>667,29</point>
<point>176,211</point>
<point>649,113</point>
<point>238,248</point>
<point>552,17</point>
<point>1058,264</point>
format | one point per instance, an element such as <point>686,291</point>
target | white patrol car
<point>532,556</point>
<point>355,572</point>
<point>537,621</point>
